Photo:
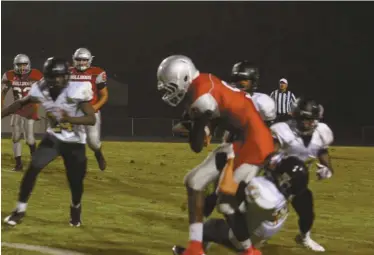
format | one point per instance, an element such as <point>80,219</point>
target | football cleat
<point>14,218</point>
<point>309,243</point>
<point>251,251</point>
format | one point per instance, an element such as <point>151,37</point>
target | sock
<point>305,235</point>
<point>18,160</point>
<point>21,207</point>
<point>246,244</point>
<point>17,149</point>
<point>196,231</point>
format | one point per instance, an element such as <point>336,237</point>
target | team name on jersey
<point>80,77</point>
<point>22,83</point>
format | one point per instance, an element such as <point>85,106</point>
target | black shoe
<point>19,166</point>
<point>14,218</point>
<point>75,216</point>
<point>100,160</point>
<point>178,250</point>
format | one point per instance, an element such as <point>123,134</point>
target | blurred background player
<point>308,139</point>
<point>19,80</point>
<point>83,71</point>
<point>246,76</point>
<point>67,106</point>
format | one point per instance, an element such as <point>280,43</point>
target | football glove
<point>323,172</point>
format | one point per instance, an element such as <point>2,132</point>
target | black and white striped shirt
<point>283,101</point>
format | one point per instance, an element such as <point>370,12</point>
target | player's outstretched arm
<point>88,118</point>
<point>16,105</point>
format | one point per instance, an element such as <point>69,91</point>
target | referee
<point>283,100</point>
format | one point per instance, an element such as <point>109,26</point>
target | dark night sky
<point>325,50</point>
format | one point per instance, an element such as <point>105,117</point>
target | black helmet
<point>56,74</point>
<point>55,67</point>
<point>306,113</point>
<point>244,70</point>
<point>289,174</point>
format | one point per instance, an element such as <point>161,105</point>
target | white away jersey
<point>293,145</point>
<point>265,105</point>
<point>266,208</point>
<point>68,100</point>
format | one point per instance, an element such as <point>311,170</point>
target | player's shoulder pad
<point>326,133</point>
<point>35,73</point>
<point>101,76</point>
<point>280,128</point>
<point>79,91</point>
<point>4,78</point>
<point>8,75</point>
<point>96,70</point>
<point>281,131</point>
<point>267,106</point>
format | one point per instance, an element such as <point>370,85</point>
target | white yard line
<point>42,249</point>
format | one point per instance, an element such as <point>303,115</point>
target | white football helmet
<point>82,54</point>
<point>21,59</point>
<point>174,75</point>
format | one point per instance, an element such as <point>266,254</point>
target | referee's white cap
<point>283,80</point>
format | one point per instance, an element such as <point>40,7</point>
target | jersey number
<point>58,127</point>
<point>63,126</point>
<point>20,91</point>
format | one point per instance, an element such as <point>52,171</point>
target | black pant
<point>75,161</point>
<point>304,207</point>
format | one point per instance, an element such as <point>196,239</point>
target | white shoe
<point>308,242</point>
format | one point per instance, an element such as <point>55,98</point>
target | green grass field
<point>134,207</point>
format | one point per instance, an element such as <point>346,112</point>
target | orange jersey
<point>237,113</point>
<point>95,75</point>
<point>20,86</point>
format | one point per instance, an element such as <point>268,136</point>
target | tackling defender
<point>68,108</point>
<point>308,139</point>
<point>83,71</point>
<point>19,80</point>
<point>264,201</point>
<point>207,98</point>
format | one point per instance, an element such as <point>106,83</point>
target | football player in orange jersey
<point>19,80</point>
<point>83,71</point>
<point>207,98</point>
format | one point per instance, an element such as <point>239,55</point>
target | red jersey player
<point>83,71</point>
<point>208,97</point>
<point>19,80</point>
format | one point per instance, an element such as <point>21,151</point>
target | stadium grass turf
<point>134,207</point>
